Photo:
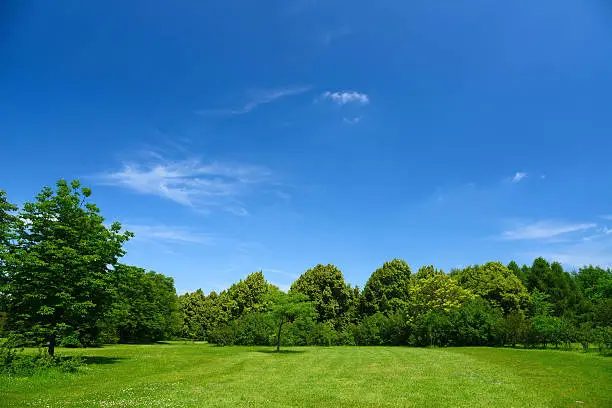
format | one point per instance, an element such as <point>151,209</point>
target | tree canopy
<point>387,288</point>
<point>332,298</point>
<point>62,241</point>
<point>495,283</point>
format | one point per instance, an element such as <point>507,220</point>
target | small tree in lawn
<point>57,273</point>
<point>286,308</point>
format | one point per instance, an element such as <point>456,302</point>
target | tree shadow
<point>101,360</point>
<point>267,351</point>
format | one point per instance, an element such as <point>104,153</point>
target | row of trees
<point>61,282</point>
<point>490,304</point>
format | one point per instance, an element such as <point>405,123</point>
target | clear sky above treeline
<point>236,136</point>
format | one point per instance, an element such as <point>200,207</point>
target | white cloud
<point>519,176</point>
<point>607,217</point>
<point>352,121</point>
<point>192,183</point>
<point>345,97</point>
<point>169,234</point>
<point>545,229</point>
<point>258,98</point>
<point>594,251</point>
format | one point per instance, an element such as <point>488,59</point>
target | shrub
<point>223,335</point>
<point>71,341</point>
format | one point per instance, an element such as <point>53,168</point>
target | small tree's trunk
<point>51,348</point>
<point>278,337</point>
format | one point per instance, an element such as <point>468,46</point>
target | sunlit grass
<point>199,375</point>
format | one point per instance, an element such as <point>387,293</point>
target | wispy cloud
<point>335,34</point>
<point>352,121</point>
<point>346,97</point>
<point>597,250</point>
<point>518,176</point>
<point>258,98</point>
<point>191,183</point>
<point>545,230</point>
<point>607,217</point>
<point>169,234</point>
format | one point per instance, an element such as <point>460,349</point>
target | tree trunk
<point>51,348</point>
<point>278,337</point>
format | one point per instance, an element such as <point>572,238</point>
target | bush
<point>603,338</point>
<point>70,341</point>
<point>475,323</point>
<point>223,335</point>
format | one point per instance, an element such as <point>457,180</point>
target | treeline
<point>61,282</point>
<point>481,305</point>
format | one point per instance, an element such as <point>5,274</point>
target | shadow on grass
<point>101,360</point>
<point>266,351</point>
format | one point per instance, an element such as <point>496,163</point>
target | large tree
<point>58,271</point>
<point>193,308</point>
<point>554,281</point>
<point>146,306</point>
<point>333,299</point>
<point>433,290</point>
<point>387,288</point>
<point>495,283</point>
<point>249,295</point>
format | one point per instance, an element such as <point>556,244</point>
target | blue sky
<point>236,136</point>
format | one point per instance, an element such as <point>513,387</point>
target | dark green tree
<point>8,224</point>
<point>387,288</point>
<point>147,307</point>
<point>193,312</point>
<point>555,282</point>
<point>249,295</point>
<point>58,274</point>
<point>332,298</point>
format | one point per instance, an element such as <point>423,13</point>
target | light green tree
<point>495,283</point>
<point>432,289</point>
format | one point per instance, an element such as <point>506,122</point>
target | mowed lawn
<point>200,375</point>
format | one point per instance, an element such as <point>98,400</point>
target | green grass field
<point>200,375</point>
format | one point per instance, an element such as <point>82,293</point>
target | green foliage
<point>287,308</point>
<point>193,309</point>
<point>552,280</point>
<point>57,272</point>
<point>146,307</point>
<point>333,299</point>
<point>551,330</point>
<point>595,283</point>
<point>514,329</point>
<point>540,306</point>
<point>382,329</point>
<point>61,283</point>
<point>602,336</point>
<point>8,224</point>
<point>475,323</point>
<point>14,361</point>
<point>247,296</point>
<point>433,290</point>
<point>387,288</point>
<point>496,284</point>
